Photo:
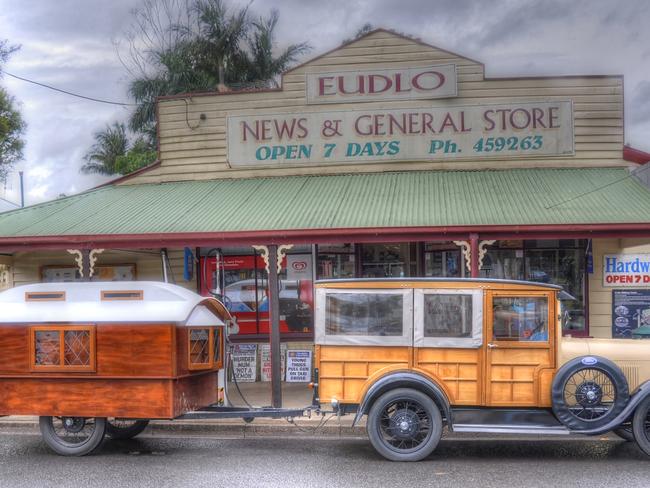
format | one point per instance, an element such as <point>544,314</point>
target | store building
<point>384,157</point>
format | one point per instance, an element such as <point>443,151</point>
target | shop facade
<point>386,157</point>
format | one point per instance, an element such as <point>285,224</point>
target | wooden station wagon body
<point>140,350</point>
<point>488,354</point>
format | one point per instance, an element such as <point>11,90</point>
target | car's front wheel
<point>404,425</point>
<point>641,425</point>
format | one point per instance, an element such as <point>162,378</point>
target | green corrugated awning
<point>514,197</point>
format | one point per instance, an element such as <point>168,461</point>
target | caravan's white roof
<point>161,303</point>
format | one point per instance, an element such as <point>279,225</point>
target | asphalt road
<point>329,462</point>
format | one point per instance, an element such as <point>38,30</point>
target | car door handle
<point>491,345</point>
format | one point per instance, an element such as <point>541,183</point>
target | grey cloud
<point>640,106</point>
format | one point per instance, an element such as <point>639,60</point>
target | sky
<point>71,44</point>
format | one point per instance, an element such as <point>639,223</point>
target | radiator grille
<point>631,372</point>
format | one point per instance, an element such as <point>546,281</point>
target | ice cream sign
<point>622,270</point>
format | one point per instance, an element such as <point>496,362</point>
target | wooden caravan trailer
<point>76,354</point>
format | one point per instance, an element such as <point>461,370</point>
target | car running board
<point>507,421</point>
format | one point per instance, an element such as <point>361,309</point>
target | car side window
<point>447,315</point>
<point>364,314</point>
<point>523,318</point>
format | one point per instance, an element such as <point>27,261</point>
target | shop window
<point>63,348</point>
<point>385,260</point>
<point>204,348</point>
<point>564,267</point>
<point>364,314</point>
<point>520,319</point>
<point>441,262</point>
<point>336,261</point>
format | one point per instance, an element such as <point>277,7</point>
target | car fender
<point>405,379</point>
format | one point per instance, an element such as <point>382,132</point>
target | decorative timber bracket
<point>474,252</point>
<point>5,275</point>
<point>86,259</point>
<point>264,251</point>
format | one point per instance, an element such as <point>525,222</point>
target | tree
<point>12,126</point>
<point>183,46</point>
<point>363,30</point>
<point>114,153</point>
<point>110,143</point>
<point>263,66</point>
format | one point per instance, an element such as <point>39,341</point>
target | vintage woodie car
<point>96,358</point>
<point>415,355</point>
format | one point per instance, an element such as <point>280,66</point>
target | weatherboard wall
<point>192,148</point>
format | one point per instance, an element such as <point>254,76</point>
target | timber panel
<point>513,377</point>
<point>149,399</point>
<point>459,370</point>
<point>345,369</point>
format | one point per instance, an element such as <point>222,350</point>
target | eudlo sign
<point>387,84</point>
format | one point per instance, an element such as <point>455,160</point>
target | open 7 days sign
<point>526,129</point>
<point>626,270</point>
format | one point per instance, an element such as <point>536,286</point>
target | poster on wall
<point>298,366</point>
<point>630,310</point>
<point>626,270</point>
<point>265,369</point>
<point>244,362</point>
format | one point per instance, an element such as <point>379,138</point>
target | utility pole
<point>22,190</point>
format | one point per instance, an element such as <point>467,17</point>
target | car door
<point>448,339</point>
<point>520,347</point>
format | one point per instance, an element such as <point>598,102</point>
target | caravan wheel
<point>120,429</point>
<point>72,436</point>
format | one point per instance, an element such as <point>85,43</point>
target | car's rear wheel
<point>72,436</point>
<point>120,429</point>
<point>641,425</point>
<point>404,425</point>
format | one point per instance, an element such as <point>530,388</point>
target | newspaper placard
<point>244,361</point>
<point>298,366</point>
<point>265,351</point>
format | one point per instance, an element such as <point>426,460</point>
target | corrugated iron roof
<point>400,199</point>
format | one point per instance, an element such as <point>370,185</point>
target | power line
<point>68,92</point>
<point>633,172</point>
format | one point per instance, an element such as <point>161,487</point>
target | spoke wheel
<point>404,425</point>
<point>120,429</point>
<point>588,393</point>
<point>641,425</point>
<point>72,436</point>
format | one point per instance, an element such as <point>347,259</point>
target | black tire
<point>625,432</point>
<point>641,425</point>
<point>72,436</point>
<point>121,429</point>
<point>588,392</point>
<point>404,425</point>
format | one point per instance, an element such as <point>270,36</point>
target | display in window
<point>245,293</point>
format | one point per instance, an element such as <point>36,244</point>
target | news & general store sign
<point>622,270</point>
<point>514,130</point>
<point>388,84</point>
